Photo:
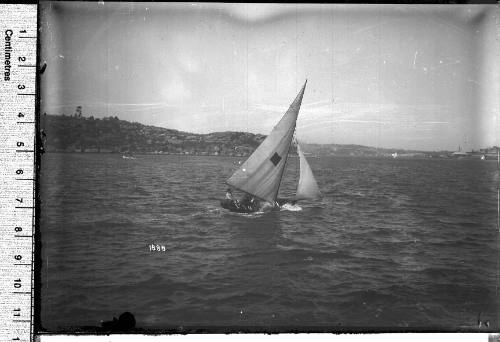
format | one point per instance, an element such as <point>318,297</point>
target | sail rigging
<point>308,187</point>
<point>260,175</point>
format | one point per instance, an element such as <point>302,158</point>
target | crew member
<point>229,194</point>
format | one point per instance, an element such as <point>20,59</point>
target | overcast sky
<point>419,77</point>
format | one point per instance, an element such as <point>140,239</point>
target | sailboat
<point>261,174</point>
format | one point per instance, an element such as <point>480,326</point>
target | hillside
<point>111,135</point>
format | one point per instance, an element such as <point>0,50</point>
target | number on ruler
<point>22,59</point>
<point>21,86</point>
<point>20,172</point>
<point>17,283</point>
<point>20,200</point>
<point>18,257</point>
<point>20,115</point>
<point>20,144</point>
<point>18,229</point>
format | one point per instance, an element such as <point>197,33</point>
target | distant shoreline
<point>79,134</point>
<point>291,156</point>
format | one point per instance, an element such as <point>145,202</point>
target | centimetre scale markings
<point>20,25</point>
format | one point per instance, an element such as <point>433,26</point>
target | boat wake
<point>291,207</point>
<point>255,214</point>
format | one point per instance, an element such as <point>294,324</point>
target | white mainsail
<point>308,187</point>
<point>261,173</point>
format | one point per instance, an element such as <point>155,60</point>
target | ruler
<point>18,51</point>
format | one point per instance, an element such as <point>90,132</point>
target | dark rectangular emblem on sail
<point>275,159</point>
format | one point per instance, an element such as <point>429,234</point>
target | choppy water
<point>393,243</point>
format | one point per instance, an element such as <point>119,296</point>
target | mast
<point>288,151</point>
<point>283,171</point>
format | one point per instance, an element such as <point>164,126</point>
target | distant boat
<point>394,155</point>
<point>459,153</point>
<point>128,157</point>
<point>261,174</point>
<point>483,157</point>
